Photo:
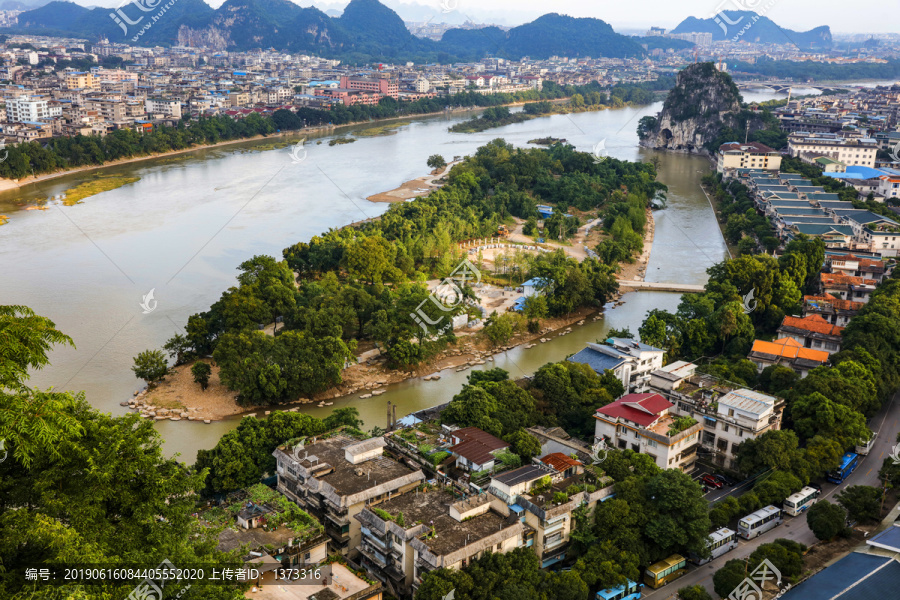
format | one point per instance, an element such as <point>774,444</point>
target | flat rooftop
<point>453,535</point>
<point>420,506</point>
<point>346,478</point>
<point>342,584</point>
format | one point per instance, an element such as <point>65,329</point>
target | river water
<point>184,227</point>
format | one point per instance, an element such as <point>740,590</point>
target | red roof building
<point>475,449</point>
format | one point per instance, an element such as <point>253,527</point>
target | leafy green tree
<point>536,307</point>
<point>775,449</point>
<point>814,414</point>
<point>786,555</point>
<point>201,372</point>
<point>500,328</point>
<point>436,161</point>
<point>826,520</point>
<point>729,577</point>
<point>151,366</point>
<point>694,592</point>
<point>346,417</point>
<point>605,566</point>
<point>524,444</point>
<point>862,503</point>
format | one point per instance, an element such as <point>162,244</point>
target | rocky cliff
<point>703,103</point>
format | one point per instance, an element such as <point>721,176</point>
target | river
<point>184,227</point>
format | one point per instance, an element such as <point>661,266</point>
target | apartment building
<point>752,155</point>
<point>848,150</point>
<point>729,415</point>
<point>110,110</point>
<point>834,310</point>
<point>24,109</point>
<point>631,361</point>
<point>79,80</point>
<point>335,479</point>
<point>163,106</point>
<point>848,287</point>
<point>812,331</point>
<point>407,536</point>
<point>647,424</point>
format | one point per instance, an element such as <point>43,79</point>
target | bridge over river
<point>685,288</point>
<point>775,86</point>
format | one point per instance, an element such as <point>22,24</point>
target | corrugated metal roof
<point>748,400</point>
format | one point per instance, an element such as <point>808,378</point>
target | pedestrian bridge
<point>684,288</point>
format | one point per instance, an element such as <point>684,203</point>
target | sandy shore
<point>178,398</point>
<point>637,270</point>
<point>420,186</point>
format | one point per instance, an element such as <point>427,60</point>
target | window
<point>622,444</point>
<point>652,443</point>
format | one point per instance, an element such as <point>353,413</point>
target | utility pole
<point>747,133</point>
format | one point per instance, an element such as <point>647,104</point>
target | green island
<point>359,285</point>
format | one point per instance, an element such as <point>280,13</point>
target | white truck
<point>865,447</point>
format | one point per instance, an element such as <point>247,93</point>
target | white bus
<point>720,542</point>
<point>759,522</point>
<point>866,446</point>
<point>799,502</point>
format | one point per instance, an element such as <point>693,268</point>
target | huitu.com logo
<point>148,303</point>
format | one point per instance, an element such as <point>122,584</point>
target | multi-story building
<point>79,80</point>
<point>836,311</point>
<point>631,361</point>
<point>335,479</point>
<point>409,535</point>
<point>752,155</point>
<point>163,106</point>
<point>112,111</point>
<point>377,85</point>
<point>848,150</point>
<point>729,414</point>
<point>25,109</point>
<point>647,424</point>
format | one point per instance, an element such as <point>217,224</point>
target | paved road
<point>886,423</point>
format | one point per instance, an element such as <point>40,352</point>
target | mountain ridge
<point>749,26</point>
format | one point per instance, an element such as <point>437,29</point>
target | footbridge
<point>684,288</point>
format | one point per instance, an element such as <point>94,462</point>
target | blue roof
<point>857,172</point>
<point>536,282</point>
<point>598,361</point>
<point>860,576</point>
<point>889,539</point>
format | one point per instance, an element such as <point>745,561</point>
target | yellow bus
<point>665,571</point>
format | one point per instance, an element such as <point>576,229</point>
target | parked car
<point>724,479</point>
<point>710,481</point>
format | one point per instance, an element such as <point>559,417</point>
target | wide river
<point>182,230</point>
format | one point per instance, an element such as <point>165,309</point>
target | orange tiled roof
<point>841,279</point>
<point>560,461</point>
<point>814,323</point>
<point>838,303</point>
<point>789,348</point>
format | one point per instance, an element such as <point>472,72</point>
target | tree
<point>826,520</point>
<point>436,161</point>
<point>201,372</point>
<point>524,444</point>
<point>151,366</point>
<point>694,592</point>
<point>346,417</point>
<point>729,577</point>
<point>536,307</point>
<point>786,555</point>
<point>862,503</point>
<point>500,328</point>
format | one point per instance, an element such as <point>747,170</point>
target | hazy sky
<point>873,16</point>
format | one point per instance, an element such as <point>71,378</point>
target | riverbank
<point>13,184</point>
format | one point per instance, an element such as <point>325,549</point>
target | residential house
<point>835,310</point>
<point>812,331</point>
<point>631,361</point>
<point>847,287</point>
<point>475,450</point>
<point>646,423</point>
<point>751,155</point>
<point>729,414</point>
<point>786,352</point>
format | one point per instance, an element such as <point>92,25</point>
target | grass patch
<point>341,140</point>
<point>380,130</point>
<point>96,186</point>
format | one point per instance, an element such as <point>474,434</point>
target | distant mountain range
<point>366,30</point>
<point>750,27</point>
